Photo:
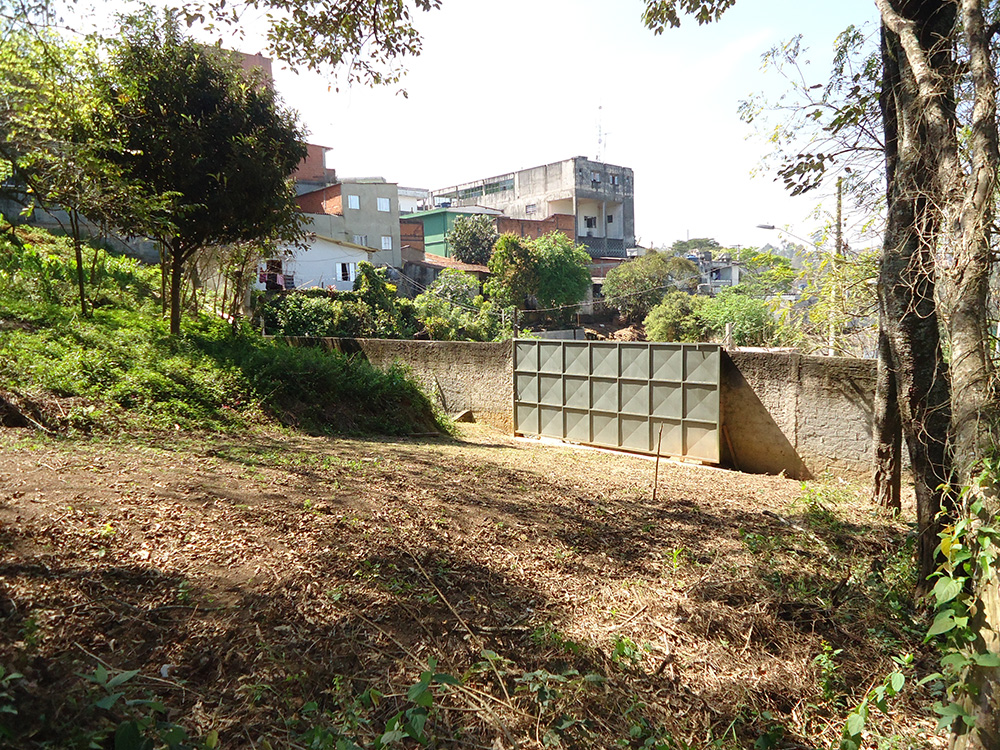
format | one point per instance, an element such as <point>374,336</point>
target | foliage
<point>562,269</point>
<point>969,548</point>
<point>839,305</point>
<point>682,247</point>
<point>472,238</point>
<point>371,310</point>
<point>192,128</point>
<point>769,274</point>
<point>636,286</point>
<point>122,367</point>
<point>676,319</point>
<point>753,321</point>
<point>829,129</point>
<point>513,273</point>
<point>452,309</point>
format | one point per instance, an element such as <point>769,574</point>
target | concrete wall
<point>797,414</point>
<point>781,412</point>
<point>459,375</point>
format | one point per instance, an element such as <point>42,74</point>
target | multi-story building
<point>363,211</point>
<point>598,196</point>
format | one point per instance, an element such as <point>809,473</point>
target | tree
<point>513,274</point>
<point>941,179</point>
<point>472,239</point>
<point>452,309</point>
<point>562,269</point>
<point>676,318</point>
<point>767,274</point>
<point>635,287</point>
<point>682,247</point>
<point>49,159</point>
<point>195,131</point>
<point>751,321</point>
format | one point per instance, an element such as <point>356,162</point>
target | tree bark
<point>907,305</point>
<point>888,430</point>
<point>74,223</point>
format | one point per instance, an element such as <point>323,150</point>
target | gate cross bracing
<point>618,395</point>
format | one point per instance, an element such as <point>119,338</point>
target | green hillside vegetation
<point>120,368</point>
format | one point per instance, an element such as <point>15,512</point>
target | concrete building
<point>599,196</point>
<point>362,211</point>
<point>328,261</point>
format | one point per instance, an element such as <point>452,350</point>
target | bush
<point>676,319</point>
<point>635,287</point>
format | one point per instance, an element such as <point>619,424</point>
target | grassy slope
<point>120,368</point>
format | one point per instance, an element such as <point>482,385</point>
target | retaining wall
<point>781,412</point>
<point>459,375</point>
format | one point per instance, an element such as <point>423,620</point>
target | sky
<point>502,86</point>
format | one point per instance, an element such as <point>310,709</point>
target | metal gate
<point>620,395</point>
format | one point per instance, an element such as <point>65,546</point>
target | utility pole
<point>838,245</point>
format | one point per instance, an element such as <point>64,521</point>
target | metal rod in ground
<point>656,475</point>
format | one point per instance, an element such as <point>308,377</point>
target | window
<point>614,180</point>
<point>361,239</point>
<point>353,201</point>
<point>611,218</point>
<point>595,176</point>
<point>348,271</point>
<point>590,222</point>
<point>383,204</point>
<point>531,208</point>
<point>386,242</point>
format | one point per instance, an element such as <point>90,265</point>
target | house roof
<point>439,261</point>
<point>344,243</point>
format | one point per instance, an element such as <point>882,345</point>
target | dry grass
<point>263,586</point>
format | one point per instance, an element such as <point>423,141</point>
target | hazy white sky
<point>505,85</point>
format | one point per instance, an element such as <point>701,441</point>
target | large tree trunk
<point>907,307</point>
<point>959,214</point>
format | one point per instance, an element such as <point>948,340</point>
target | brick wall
<point>535,228</point>
<point>412,233</point>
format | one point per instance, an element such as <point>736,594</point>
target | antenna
<point>600,134</point>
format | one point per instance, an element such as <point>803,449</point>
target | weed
<point>625,650</point>
<point>829,678</point>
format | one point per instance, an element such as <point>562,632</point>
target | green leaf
<point>127,737</point>
<point>855,724</point>
<point>420,695</point>
<point>212,739</point>
<point>897,680</point>
<point>446,679</point>
<point>120,678</point>
<point>955,661</point>
<point>108,700</point>
<point>947,589</point>
<point>944,622</point>
<point>989,660</point>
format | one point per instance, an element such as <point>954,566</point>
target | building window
<point>386,242</point>
<point>348,271</point>
<point>611,218</point>
<point>361,239</point>
<point>590,222</point>
<point>353,201</point>
<point>383,204</point>
<point>614,179</point>
<point>531,208</point>
<point>595,176</point>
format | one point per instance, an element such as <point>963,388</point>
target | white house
<point>325,262</point>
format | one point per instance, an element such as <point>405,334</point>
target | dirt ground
<point>286,591</point>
